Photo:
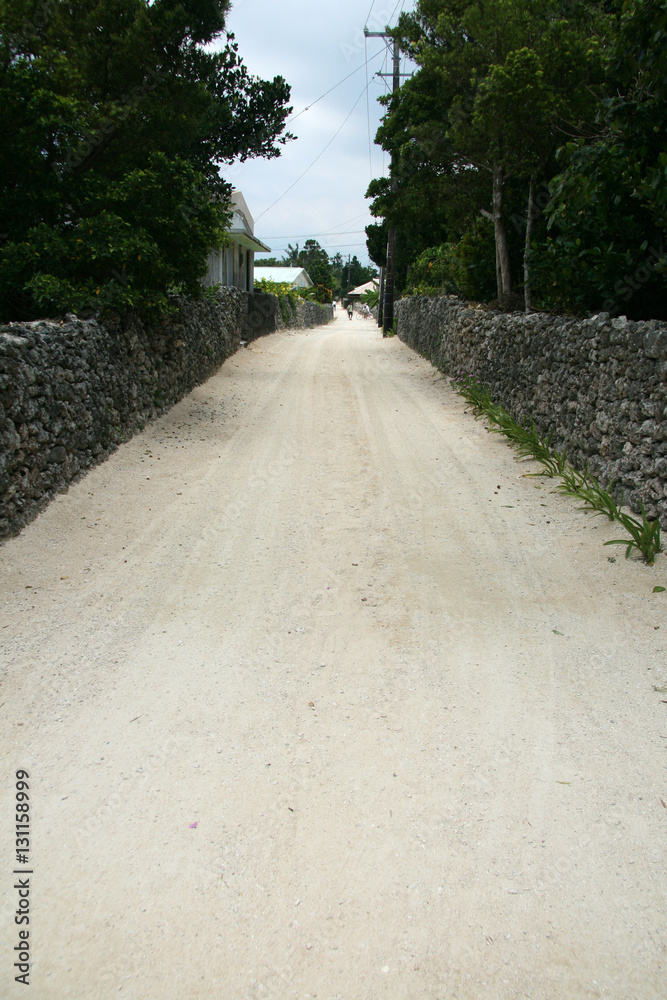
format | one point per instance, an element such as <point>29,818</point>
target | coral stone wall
<point>72,390</point>
<point>599,385</point>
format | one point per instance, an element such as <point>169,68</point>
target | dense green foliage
<point>609,212</point>
<point>530,154</point>
<point>371,298</point>
<point>349,273</point>
<point>466,268</point>
<point>118,117</point>
<point>287,296</point>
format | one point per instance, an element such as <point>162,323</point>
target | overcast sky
<point>314,46</point>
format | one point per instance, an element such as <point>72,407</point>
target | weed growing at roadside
<point>644,534</point>
<point>524,437</point>
<point>584,486</point>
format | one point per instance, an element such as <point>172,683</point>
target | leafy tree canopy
<point>337,274</point>
<point>119,118</point>
<point>608,217</point>
<point>500,85</point>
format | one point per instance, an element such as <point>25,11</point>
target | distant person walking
<point>350,310</point>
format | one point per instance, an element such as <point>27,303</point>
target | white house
<point>235,264</point>
<point>355,293</point>
<point>294,276</point>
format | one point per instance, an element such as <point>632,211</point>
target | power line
<point>346,223</point>
<point>394,10</point>
<point>325,232</point>
<point>387,308</point>
<point>320,154</point>
<point>331,89</point>
<point>312,236</point>
<point>337,246</point>
<point>368,110</point>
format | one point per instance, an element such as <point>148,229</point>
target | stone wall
<point>266,314</point>
<point>599,385</point>
<point>72,390</point>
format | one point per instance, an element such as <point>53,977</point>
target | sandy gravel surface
<point>321,697</point>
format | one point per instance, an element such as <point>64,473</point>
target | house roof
<point>249,242</point>
<point>370,286</point>
<point>281,274</point>
<point>242,228</point>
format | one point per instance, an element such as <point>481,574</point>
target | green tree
<point>351,273</point>
<point>609,210</point>
<point>336,273</point>
<point>325,272</point>
<point>119,118</point>
<point>313,259</point>
<point>316,262</point>
<point>498,80</point>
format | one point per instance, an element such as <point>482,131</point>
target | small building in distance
<point>296,277</point>
<point>234,265</point>
<point>355,293</point>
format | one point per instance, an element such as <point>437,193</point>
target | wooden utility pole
<point>347,284</point>
<point>381,298</point>
<point>387,306</point>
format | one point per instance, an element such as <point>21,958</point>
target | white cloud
<point>313,46</point>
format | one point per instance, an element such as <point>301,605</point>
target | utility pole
<point>387,310</point>
<point>381,298</point>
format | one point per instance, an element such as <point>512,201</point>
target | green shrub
<point>316,293</point>
<point>273,287</point>
<point>466,268</point>
<point>286,295</point>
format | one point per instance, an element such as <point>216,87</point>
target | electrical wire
<point>383,82</point>
<point>341,246</point>
<point>312,236</point>
<point>394,10</point>
<point>331,89</point>
<point>368,112</point>
<point>311,165</point>
<point>347,222</point>
<point>346,246</point>
<point>326,94</point>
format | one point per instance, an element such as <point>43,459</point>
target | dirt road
<point>320,697</point>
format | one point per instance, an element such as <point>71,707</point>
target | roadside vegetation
<point>644,535</point>
<point>119,118</point>
<point>530,155</point>
<point>287,296</point>
<point>332,277</point>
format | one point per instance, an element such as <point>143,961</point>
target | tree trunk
<point>502,252</point>
<point>526,253</point>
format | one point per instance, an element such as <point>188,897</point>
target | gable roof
<point>369,286</point>
<point>281,274</point>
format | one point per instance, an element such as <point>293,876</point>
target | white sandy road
<point>408,702</point>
